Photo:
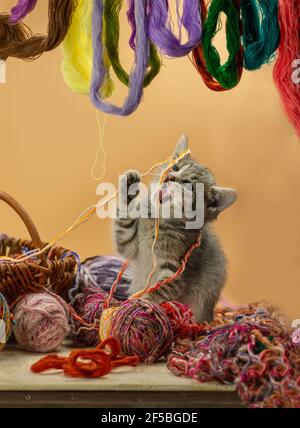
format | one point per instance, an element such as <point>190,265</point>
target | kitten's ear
<point>182,146</point>
<point>219,199</point>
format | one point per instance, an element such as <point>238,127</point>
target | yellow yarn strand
<point>78,52</point>
<point>101,148</point>
<point>81,219</point>
<point>106,322</point>
<point>161,181</point>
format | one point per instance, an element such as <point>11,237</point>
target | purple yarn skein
<point>136,79</point>
<point>159,26</point>
<point>21,9</point>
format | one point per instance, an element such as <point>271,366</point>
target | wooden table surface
<point>141,386</point>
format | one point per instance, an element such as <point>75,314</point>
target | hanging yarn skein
<point>228,74</point>
<point>137,76</point>
<point>23,45</point>
<point>159,26</point>
<point>21,9</point>
<point>111,30</point>
<point>40,322</point>
<point>285,76</point>
<point>199,61</point>
<point>78,52</point>
<point>260,31</point>
<point>5,322</point>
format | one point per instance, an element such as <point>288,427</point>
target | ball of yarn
<point>101,272</point>
<point>5,322</point>
<point>89,306</point>
<point>143,329</point>
<point>41,322</point>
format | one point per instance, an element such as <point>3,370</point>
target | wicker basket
<point>54,270</point>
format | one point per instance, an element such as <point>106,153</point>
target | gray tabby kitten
<point>201,283</point>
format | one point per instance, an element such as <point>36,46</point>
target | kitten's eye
<point>175,168</point>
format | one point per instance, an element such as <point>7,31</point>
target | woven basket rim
<point>19,242</point>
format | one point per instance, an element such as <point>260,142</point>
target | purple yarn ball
<point>99,273</point>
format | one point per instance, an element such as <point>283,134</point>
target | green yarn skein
<point>226,74</point>
<point>111,13</point>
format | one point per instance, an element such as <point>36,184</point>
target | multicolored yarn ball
<point>5,322</point>
<point>21,9</point>
<point>249,348</point>
<point>40,322</point>
<point>99,274</point>
<point>89,306</point>
<point>143,329</point>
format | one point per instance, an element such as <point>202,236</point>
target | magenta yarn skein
<point>41,322</point>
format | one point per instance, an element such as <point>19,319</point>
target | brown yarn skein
<point>18,41</point>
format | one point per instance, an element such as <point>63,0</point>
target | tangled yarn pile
<point>249,348</point>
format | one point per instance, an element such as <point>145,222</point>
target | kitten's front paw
<point>129,185</point>
<point>133,177</point>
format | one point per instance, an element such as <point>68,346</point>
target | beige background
<point>49,137</point>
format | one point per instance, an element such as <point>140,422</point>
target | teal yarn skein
<point>261,33</point>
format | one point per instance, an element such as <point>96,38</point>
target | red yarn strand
<point>87,363</point>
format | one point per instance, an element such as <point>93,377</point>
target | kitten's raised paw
<point>133,177</point>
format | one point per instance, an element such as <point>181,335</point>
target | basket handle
<point>25,217</point>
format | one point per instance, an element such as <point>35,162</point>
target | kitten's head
<point>188,172</point>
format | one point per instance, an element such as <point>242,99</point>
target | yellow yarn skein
<point>78,52</point>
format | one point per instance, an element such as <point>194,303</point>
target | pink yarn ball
<point>41,322</point>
